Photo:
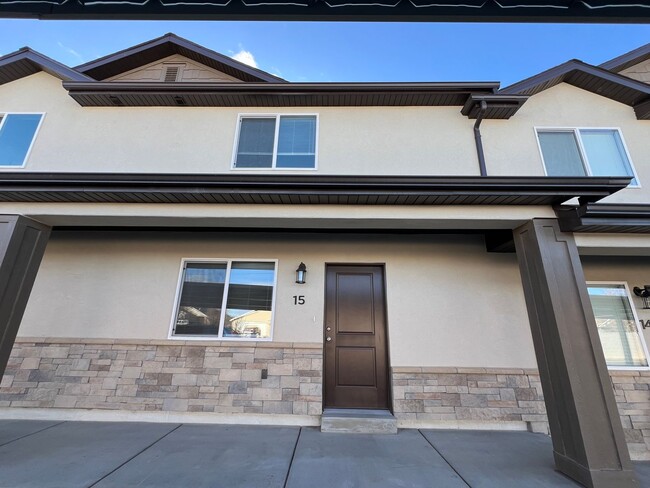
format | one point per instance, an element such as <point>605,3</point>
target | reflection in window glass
<point>617,327</point>
<point>250,297</point>
<point>247,288</point>
<point>606,153</point>
<point>16,135</point>
<point>201,300</point>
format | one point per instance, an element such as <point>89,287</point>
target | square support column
<point>588,441</point>
<point>22,245</point>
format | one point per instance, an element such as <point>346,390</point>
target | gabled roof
<point>626,60</point>
<point>591,78</point>
<point>26,61</point>
<point>168,45</point>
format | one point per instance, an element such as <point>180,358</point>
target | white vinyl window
<point>17,135</point>
<point>618,326</point>
<point>585,152</point>
<point>276,142</point>
<point>225,299</point>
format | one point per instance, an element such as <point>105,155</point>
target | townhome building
<point>188,238</point>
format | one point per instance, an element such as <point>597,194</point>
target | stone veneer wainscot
<point>457,396</point>
<point>172,376</point>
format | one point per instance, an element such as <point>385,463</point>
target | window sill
<point>218,339</point>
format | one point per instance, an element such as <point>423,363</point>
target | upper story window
<point>226,299</point>
<point>276,142</point>
<point>618,327</point>
<point>585,152</point>
<point>17,134</point>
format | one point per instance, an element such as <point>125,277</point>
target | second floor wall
<point>349,140</point>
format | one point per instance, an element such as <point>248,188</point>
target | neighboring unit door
<point>356,358</point>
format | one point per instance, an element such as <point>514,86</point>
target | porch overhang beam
<point>299,189</point>
<point>605,217</point>
<point>585,11</point>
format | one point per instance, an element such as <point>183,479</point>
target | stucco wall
<point>351,140</point>
<point>381,140</point>
<point>511,145</point>
<point>449,302</point>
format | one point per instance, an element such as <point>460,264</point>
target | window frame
<point>277,116</point>
<point>581,148</point>
<point>226,285</point>
<point>639,329</point>
<point>31,144</point>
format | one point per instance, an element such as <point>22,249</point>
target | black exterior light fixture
<point>644,293</point>
<point>301,272</point>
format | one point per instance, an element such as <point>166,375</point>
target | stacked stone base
<point>165,376</point>
<point>467,396</point>
<point>280,379</point>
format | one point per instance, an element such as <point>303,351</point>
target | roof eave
<point>34,62</point>
<point>308,189</point>
<point>275,94</point>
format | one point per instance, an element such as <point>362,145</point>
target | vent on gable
<point>171,74</point>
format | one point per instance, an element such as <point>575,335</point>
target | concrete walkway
<point>109,454</point>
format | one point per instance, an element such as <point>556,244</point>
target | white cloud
<point>70,51</point>
<point>245,57</point>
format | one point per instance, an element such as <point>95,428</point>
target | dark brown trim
<point>318,10</point>
<point>605,217</point>
<point>587,77</point>
<point>624,61</point>
<point>167,45</point>
<point>498,106</point>
<point>26,61</point>
<point>588,441</point>
<point>22,245</point>
<point>138,94</point>
<point>299,189</point>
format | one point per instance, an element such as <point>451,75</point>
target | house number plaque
<point>299,299</point>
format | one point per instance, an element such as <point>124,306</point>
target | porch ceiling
<point>303,190</point>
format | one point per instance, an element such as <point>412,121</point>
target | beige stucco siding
<point>361,140</point>
<point>449,303</point>
<point>511,145</point>
<point>639,71</point>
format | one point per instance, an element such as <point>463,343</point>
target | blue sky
<point>326,51</point>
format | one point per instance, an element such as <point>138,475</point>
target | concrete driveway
<point>110,454</point>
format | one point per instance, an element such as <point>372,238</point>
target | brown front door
<point>356,359</point>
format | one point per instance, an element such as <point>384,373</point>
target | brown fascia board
<point>275,94</point>
<point>587,77</point>
<point>26,61</point>
<point>628,59</point>
<point>167,45</point>
<point>498,106</point>
<point>605,217</point>
<point>304,189</point>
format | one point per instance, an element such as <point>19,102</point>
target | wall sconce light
<point>301,272</point>
<point>644,293</point>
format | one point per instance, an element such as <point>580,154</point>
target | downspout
<point>477,138</point>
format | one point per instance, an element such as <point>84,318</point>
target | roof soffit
<point>590,78</point>
<point>26,62</point>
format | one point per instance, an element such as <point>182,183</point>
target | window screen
<point>561,154</point>
<point>256,140</point>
